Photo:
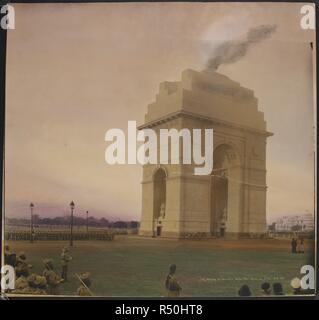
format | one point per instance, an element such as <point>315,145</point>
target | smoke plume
<point>233,50</point>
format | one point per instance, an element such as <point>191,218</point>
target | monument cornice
<point>183,113</point>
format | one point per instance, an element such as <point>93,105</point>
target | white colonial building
<point>305,222</point>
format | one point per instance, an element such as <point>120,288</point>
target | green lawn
<point>132,266</point>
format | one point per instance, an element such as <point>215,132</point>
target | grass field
<point>133,266</point>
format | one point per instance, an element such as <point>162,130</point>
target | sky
<point>75,71</point>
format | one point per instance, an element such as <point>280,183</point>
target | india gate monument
<point>231,201</point>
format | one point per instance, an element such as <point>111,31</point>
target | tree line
<point>77,221</point>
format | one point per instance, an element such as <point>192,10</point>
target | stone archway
<point>202,100</point>
<point>159,200</point>
<point>225,191</point>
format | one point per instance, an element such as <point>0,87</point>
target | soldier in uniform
<point>223,220</point>
<point>296,285</point>
<point>52,278</point>
<point>37,284</point>
<point>293,245</point>
<point>244,291</point>
<point>9,257</point>
<point>162,211</point>
<point>84,288</point>
<point>22,267</point>
<point>172,286</point>
<point>65,259</point>
<point>21,284</point>
<point>301,247</point>
<point>266,289</point>
<point>277,289</point>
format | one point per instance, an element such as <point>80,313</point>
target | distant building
<point>303,222</point>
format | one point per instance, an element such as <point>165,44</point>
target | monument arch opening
<point>159,200</point>
<point>224,179</point>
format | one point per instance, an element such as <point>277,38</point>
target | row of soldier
<point>174,289</point>
<point>276,289</point>
<point>58,236</point>
<point>49,283</point>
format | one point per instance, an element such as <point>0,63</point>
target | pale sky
<point>76,70</point>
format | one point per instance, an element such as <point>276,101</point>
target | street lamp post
<point>87,222</point>
<point>71,223</point>
<point>31,222</point>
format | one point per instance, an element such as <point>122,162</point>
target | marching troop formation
<point>49,283</point>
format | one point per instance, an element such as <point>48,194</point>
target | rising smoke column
<point>233,50</point>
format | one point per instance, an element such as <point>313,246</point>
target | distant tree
<point>60,221</point>
<point>77,220</point>
<point>134,224</point>
<point>119,224</point>
<point>93,222</point>
<point>296,228</point>
<point>272,227</point>
<point>47,221</point>
<point>104,222</point>
<point>36,219</point>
